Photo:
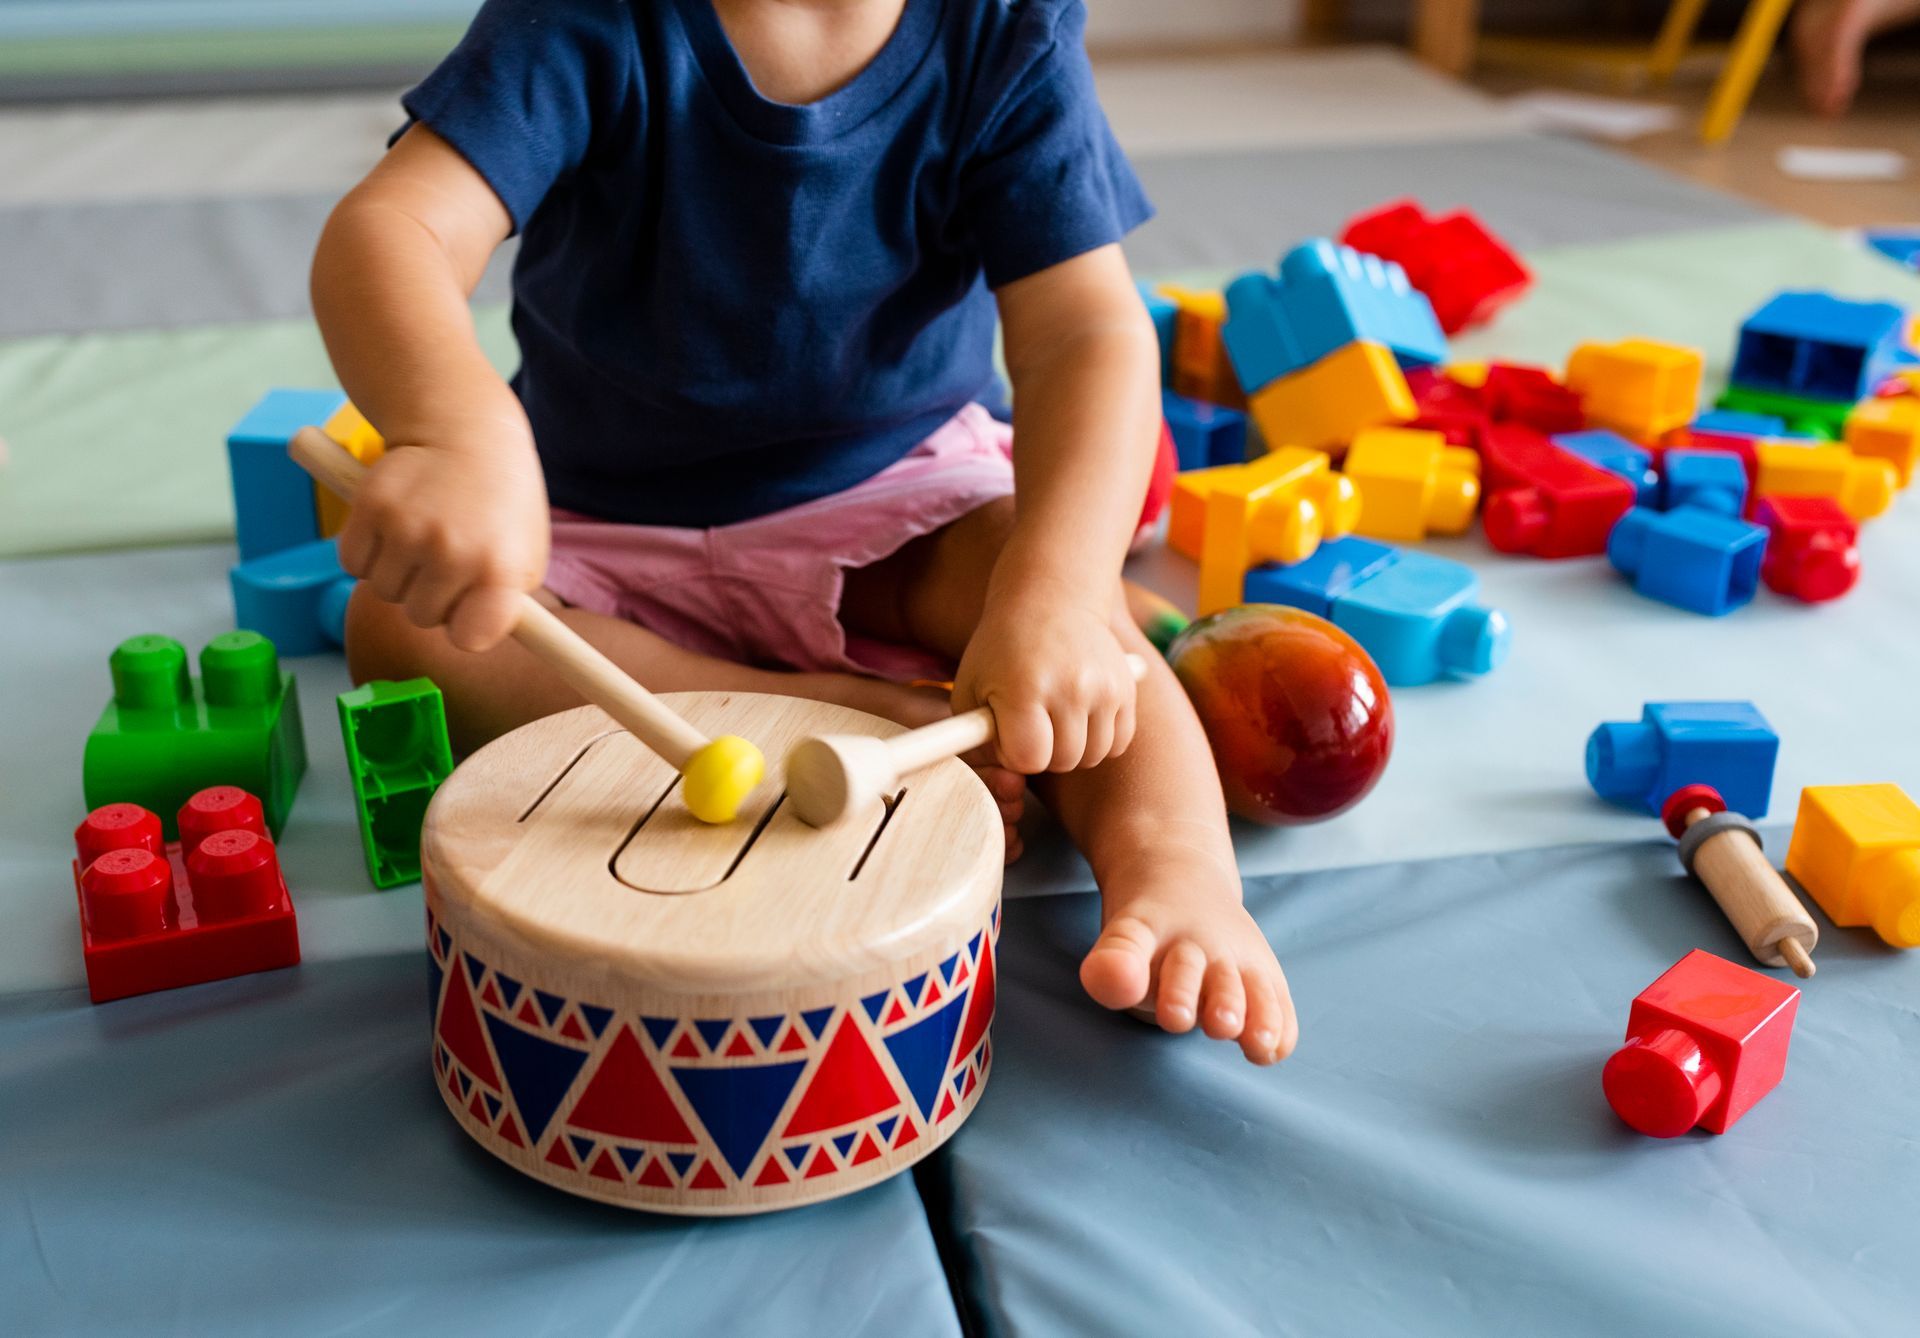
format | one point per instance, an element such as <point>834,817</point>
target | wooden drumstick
<point>832,775</point>
<point>716,774</point>
<point>1722,850</point>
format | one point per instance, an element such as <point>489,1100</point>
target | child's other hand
<point>453,530</point>
<point>1057,679</point>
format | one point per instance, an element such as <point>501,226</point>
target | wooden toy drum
<point>635,1006</point>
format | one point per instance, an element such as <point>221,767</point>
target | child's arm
<point>452,521</point>
<point>1085,368</point>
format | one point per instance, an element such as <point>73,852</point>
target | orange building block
<point>1887,429</point>
<point>1640,388</point>
<point>1856,850</point>
<point>1412,482</point>
<point>1201,368</point>
<point>1276,509</point>
<point>1324,404</point>
<point>1863,487</point>
<point>350,428</point>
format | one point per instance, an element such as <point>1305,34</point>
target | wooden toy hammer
<point>1722,850</point>
<point>716,775</point>
<point>833,775</point>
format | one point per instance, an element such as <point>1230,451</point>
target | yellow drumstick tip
<point>719,778</point>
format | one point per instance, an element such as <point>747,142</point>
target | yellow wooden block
<point>1412,482</point>
<point>1324,404</point>
<point>350,428</point>
<point>1863,487</point>
<point>1887,429</point>
<point>1856,850</point>
<point>1640,388</point>
<point>1276,509</point>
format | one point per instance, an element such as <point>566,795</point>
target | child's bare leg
<point>1151,822</point>
<point>1829,37</point>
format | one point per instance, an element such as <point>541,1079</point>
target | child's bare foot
<point>913,707</point>
<point>1828,39</point>
<point>1183,946</point>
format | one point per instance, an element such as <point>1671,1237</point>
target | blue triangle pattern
<point>493,1105</point>
<point>434,976</point>
<point>582,1147</point>
<point>711,1030</point>
<point>912,987</point>
<point>958,1079</point>
<point>550,1005</point>
<point>537,1071</point>
<point>738,1106</point>
<point>920,1051</point>
<point>466,1083</point>
<point>873,1004</point>
<point>509,987</point>
<point>816,1020</point>
<point>681,1160</point>
<point>474,969</point>
<point>796,1155</point>
<point>885,1128</point>
<point>632,1157</point>
<point>973,946</point>
<point>946,968</point>
<point>596,1017</point>
<point>660,1028</point>
<point>766,1028</point>
<point>845,1142</point>
<point>446,942</point>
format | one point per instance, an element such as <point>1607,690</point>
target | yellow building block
<point>1856,850</point>
<point>1276,509</point>
<point>1324,404</point>
<point>1638,387</point>
<point>1187,512</point>
<point>1201,368</point>
<point>1472,375</point>
<point>1863,487</point>
<point>350,428</point>
<point>1412,482</point>
<point>1887,429</point>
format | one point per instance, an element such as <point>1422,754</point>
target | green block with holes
<point>397,754</point>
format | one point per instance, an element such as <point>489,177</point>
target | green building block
<point>166,735</point>
<point>397,754</point>
<point>1826,419</point>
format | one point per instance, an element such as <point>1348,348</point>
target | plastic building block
<point>1740,424</point>
<point>1465,271</point>
<point>1412,482</point>
<point>1204,435</point>
<point>1325,404</point>
<point>1445,405</point>
<point>1887,429</point>
<point>1813,549</point>
<point>1697,560</point>
<point>1710,480</point>
<point>350,428</point>
<point>1276,509</point>
<point>296,598</point>
<point>273,499</point>
<point>1531,397</point>
<point>1638,386</point>
<point>1201,368</point>
<point>1705,1043</point>
<point>1863,487</point>
<point>1819,346</point>
<point>397,755</point>
<point>1543,500</point>
<point>165,735</point>
<point>1326,297</point>
<point>1162,312</point>
<point>1727,745</point>
<point>155,917</point>
<point>1825,419</point>
<point>1615,454</point>
<point>1856,851</point>
<point>1159,489</point>
<point>1414,613</point>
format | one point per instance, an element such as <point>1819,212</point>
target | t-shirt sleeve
<point>527,90</point>
<point>1047,181</point>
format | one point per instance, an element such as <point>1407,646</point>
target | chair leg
<point>1444,33</point>
<point>1751,47</point>
<point>1676,34</point>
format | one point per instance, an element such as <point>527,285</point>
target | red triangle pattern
<point>572,1029</point>
<point>946,1105</point>
<point>557,1155</point>
<point>972,1082</point>
<point>656,1174</point>
<point>906,1135</point>
<point>491,995</point>
<point>794,1041</point>
<point>626,1099</point>
<point>706,1178</point>
<point>771,1174</point>
<point>960,976</point>
<point>527,1013</point>
<point>933,990</point>
<point>848,1086</point>
<point>603,1166</point>
<point>510,1131</point>
<point>822,1164</point>
<point>740,1045</point>
<point>866,1152</point>
<point>475,1109</point>
<point>980,1008</point>
<point>894,1014</point>
<point>460,1031</point>
<point>686,1047</point>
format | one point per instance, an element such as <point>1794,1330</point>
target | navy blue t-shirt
<point>726,305</point>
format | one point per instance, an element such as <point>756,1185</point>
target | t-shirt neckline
<point>834,114</point>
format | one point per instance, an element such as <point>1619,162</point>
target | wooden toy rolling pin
<point>832,776</point>
<point>716,774</point>
<point>1722,850</point>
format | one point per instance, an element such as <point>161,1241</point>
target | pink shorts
<point>766,591</point>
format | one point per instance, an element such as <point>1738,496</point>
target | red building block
<point>1704,1043</point>
<point>1465,271</point>
<point>156,917</point>
<point>1812,550</point>
<point>1543,500</point>
<point>1456,412</point>
<point>1531,397</point>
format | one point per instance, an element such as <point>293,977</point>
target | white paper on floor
<point>1592,117</point>
<point>1813,162</point>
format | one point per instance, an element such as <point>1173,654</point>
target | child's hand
<point>1057,679</point>
<point>453,530</point>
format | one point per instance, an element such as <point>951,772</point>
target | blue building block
<point>1615,454</point>
<point>1900,247</point>
<point>296,598</point>
<point>1204,434</point>
<point>1728,745</point>
<point>1164,314</point>
<point>1413,612</point>
<point>273,506</point>
<point>1326,297</point>
<point>1710,480</point>
<point>1818,346</point>
<point>1693,559</point>
<point>1735,423</point>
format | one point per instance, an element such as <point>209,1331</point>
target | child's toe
<point>1120,966</point>
<point>1177,1001</point>
<point>1223,1008</point>
<point>1270,1031</point>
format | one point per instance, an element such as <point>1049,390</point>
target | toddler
<point>763,247</point>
